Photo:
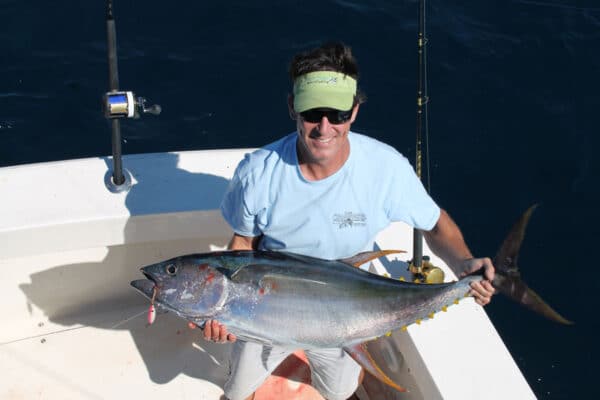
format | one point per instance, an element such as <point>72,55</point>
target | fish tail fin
<point>507,278</point>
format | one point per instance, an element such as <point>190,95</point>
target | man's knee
<point>334,374</point>
<point>336,391</point>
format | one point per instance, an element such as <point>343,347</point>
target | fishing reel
<point>427,272</point>
<point>126,105</point>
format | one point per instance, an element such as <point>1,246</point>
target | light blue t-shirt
<point>332,218</point>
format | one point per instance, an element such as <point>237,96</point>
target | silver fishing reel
<point>126,105</point>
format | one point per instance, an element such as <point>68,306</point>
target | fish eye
<point>171,269</point>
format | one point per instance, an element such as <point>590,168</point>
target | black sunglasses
<point>335,117</point>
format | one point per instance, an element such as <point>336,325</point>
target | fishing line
<point>425,108</point>
<point>122,322</point>
<point>43,335</point>
<point>423,97</point>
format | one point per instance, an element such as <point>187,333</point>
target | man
<point>325,191</point>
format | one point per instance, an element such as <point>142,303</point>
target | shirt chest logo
<point>349,219</point>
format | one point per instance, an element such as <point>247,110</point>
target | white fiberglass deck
<point>69,248</point>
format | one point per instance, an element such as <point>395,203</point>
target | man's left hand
<point>483,290</point>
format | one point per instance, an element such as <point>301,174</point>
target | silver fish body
<point>291,300</point>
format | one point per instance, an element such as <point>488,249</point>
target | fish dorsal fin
<point>361,355</point>
<point>366,256</point>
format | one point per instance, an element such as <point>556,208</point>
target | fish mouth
<point>145,286</point>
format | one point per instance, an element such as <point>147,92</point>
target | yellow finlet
<point>388,334</point>
<point>418,322</point>
<point>404,328</point>
<point>431,315</point>
<point>445,309</point>
<point>456,300</point>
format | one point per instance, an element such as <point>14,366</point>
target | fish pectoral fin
<point>361,355</point>
<point>268,279</point>
<point>366,256</point>
<point>251,273</point>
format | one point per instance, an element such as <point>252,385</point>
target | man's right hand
<point>215,332</point>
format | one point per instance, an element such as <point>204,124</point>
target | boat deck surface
<point>75,328</point>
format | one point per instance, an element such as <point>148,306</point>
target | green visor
<point>324,89</point>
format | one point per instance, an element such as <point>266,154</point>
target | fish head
<point>192,288</point>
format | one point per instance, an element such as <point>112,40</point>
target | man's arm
<point>239,242</point>
<point>446,240</point>
<point>213,330</point>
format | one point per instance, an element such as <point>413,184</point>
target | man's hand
<point>215,332</point>
<point>446,240</point>
<point>483,290</point>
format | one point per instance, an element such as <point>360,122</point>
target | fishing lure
<point>152,309</point>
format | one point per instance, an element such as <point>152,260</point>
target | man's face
<point>321,139</point>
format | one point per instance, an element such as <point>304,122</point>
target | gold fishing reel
<point>427,272</point>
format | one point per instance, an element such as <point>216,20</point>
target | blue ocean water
<point>514,88</point>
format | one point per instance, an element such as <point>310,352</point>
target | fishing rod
<point>420,266</point>
<point>119,104</point>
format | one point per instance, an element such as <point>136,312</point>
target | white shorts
<point>333,372</point>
